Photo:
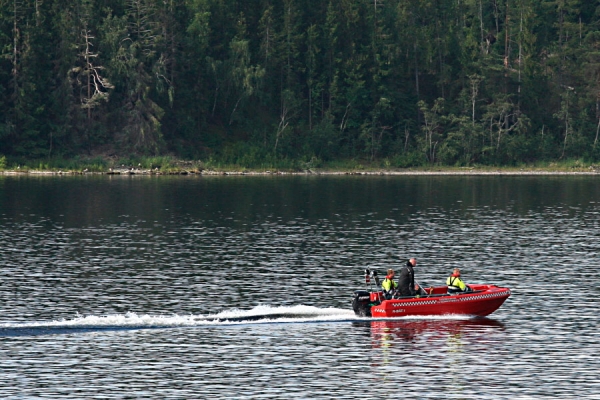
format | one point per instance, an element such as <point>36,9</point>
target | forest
<point>400,82</point>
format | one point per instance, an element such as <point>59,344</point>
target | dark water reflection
<point>106,282</point>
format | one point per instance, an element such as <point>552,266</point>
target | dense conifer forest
<point>405,82</point>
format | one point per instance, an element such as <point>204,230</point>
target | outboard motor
<point>361,303</point>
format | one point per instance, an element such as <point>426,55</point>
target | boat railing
<point>426,296</point>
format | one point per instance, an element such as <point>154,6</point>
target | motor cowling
<point>361,303</point>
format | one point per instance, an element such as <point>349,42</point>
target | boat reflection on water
<point>431,344</point>
<point>385,332</point>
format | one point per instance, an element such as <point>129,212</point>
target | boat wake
<point>134,321</point>
<point>280,314</point>
<point>263,314</point>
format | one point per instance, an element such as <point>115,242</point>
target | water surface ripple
<point>239,287</point>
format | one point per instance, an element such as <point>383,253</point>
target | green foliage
<point>323,140</point>
<point>410,159</point>
<point>269,84</point>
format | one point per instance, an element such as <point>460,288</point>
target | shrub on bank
<point>214,163</point>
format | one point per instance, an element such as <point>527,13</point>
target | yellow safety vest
<point>455,283</point>
<point>388,284</point>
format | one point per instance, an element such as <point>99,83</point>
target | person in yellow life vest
<point>388,285</point>
<point>455,284</point>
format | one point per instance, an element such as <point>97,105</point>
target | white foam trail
<point>261,313</point>
<point>299,311</point>
<point>258,315</point>
<point>116,320</point>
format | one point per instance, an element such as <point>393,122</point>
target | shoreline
<point>310,172</point>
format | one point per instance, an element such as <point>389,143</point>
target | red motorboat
<point>480,301</point>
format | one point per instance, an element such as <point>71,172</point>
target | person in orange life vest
<point>388,285</point>
<point>455,284</point>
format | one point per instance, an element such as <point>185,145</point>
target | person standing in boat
<point>388,284</point>
<point>406,281</point>
<point>455,284</point>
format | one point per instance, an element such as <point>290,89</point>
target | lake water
<point>110,286</point>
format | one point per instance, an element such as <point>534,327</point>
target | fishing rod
<point>371,274</point>
<point>424,291</point>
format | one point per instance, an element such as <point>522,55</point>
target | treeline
<point>408,82</point>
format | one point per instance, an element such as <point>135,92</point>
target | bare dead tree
<point>283,123</point>
<point>96,85</point>
<point>344,121</point>
<point>475,80</point>
<point>376,141</point>
<point>432,124</point>
<point>16,43</point>
<point>597,131</point>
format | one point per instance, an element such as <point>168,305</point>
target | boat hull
<point>484,300</point>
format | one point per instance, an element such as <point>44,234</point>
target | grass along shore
<point>167,165</point>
